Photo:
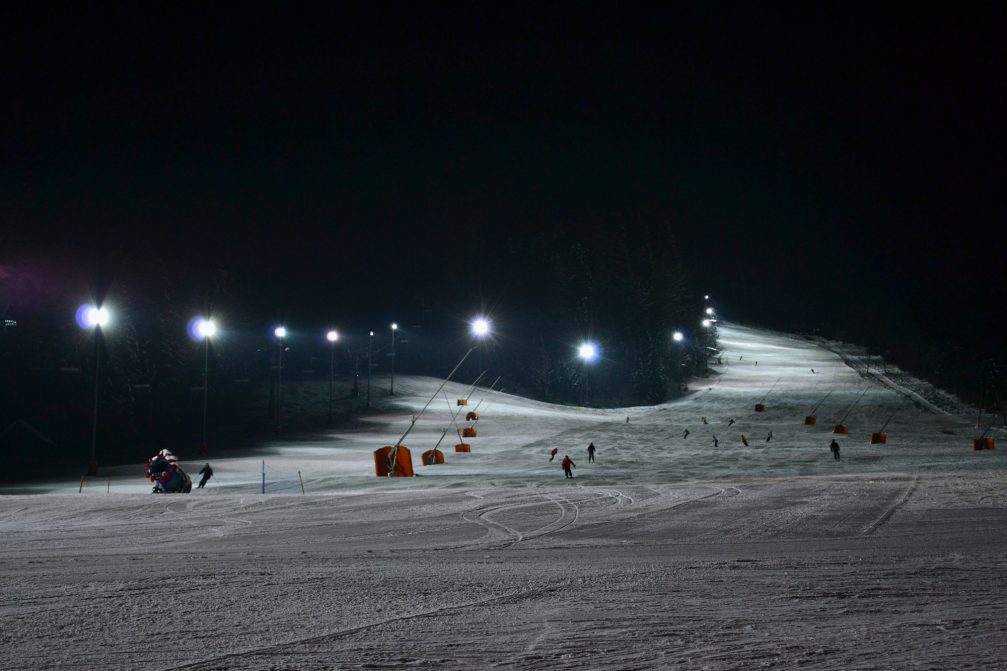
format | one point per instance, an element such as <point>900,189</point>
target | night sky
<point>833,169</point>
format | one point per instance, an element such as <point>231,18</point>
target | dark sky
<point>841,164</point>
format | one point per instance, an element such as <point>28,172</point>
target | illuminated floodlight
<point>706,297</point>
<point>332,336</point>
<point>200,328</point>
<point>280,332</point>
<point>706,323</point>
<point>206,328</point>
<point>481,326</point>
<point>372,334</point>
<point>677,336</point>
<point>587,351</point>
<point>395,327</point>
<point>709,311</point>
<point>89,316</point>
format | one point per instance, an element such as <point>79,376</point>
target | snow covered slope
<point>668,552</point>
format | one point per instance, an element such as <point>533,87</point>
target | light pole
<point>391,388</point>
<point>94,317</point>
<point>481,329</point>
<point>332,337</point>
<point>588,352</point>
<point>204,329</point>
<point>280,332</point>
<point>370,342</point>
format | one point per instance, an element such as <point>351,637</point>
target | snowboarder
<point>207,473</point>
<point>769,437</point>
<point>744,439</point>
<point>715,441</point>
<point>552,453</point>
<point>730,422</point>
<point>834,446</point>
<point>590,452</point>
<point>567,465</point>
<point>686,434</point>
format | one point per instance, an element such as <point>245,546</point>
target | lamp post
<point>391,388</point>
<point>94,317</point>
<point>204,330</point>
<point>280,332</point>
<point>370,343</point>
<point>588,352</point>
<point>332,337</point>
<point>481,329</point>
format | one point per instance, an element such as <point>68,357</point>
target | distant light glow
<point>395,327</point>
<point>372,334</point>
<point>200,328</point>
<point>706,297</point>
<point>706,323</point>
<point>587,351</point>
<point>89,316</point>
<point>481,326</point>
<point>677,336</point>
<point>280,332</point>
<point>709,311</point>
<point>332,336</point>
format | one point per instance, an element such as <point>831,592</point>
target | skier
<point>590,452</point>
<point>686,434</point>
<point>769,437</point>
<point>812,370</point>
<point>567,465</point>
<point>715,441</point>
<point>552,453</point>
<point>730,422</point>
<point>704,420</point>
<point>834,446</point>
<point>207,473</point>
<point>744,439</point>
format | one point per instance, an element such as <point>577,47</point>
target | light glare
<point>677,336</point>
<point>280,332</point>
<point>587,351</point>
<point>89,316</point>
<point>480,327</point>
<point>332,336</point>
<point>709,311</point>
<point>706,323</point>
<point>206,328</point>
<point>395,327</point>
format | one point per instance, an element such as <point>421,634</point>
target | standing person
<point>567,465</point>
<point>769,437</point>
<point>834,446</point>
<point>590,452</point>
<point>207,473</point>
<point>552,453</point>
<point>715,441</point>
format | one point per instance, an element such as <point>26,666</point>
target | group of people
<point>568,463</point>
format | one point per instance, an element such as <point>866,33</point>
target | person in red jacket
<point>567,465</point>
<point>552,453</point>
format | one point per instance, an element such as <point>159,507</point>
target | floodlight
<point>480,326</point>
<point>677,336</point>
<point>332,336</point>
<point>206,328</point>
<point>709,311</point>
<point>90,316</point>
<point>395,327</point>
<point>587,351</point>
<point>706,323</point>
<point>280,332</point>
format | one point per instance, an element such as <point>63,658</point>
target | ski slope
<point>668,552</point>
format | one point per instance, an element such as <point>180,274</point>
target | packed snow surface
<point>667,552</point>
